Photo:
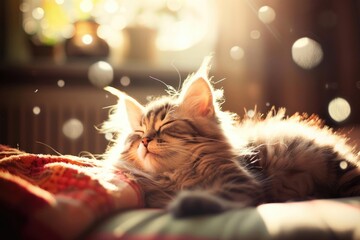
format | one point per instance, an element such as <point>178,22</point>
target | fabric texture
<point>58,197</point>
<point>311,220</point>
<point>67,197</point>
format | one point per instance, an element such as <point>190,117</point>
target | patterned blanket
<point>58,197</point>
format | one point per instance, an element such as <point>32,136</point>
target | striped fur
<point>189,155</point>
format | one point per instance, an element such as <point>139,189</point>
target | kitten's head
<point>170,131</point>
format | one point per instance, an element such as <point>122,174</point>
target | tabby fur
<point>193,158</point>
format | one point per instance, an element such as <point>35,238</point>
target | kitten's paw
<point>192,203</point>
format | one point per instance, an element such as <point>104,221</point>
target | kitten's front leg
<point>190,203</point>
<point>194,203</point>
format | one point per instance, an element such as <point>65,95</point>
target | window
<point>156,31</point>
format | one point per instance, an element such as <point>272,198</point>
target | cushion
<point>59,197</point>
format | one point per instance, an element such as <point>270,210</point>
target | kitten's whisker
<point>219,81</point>
<point>179,75</point>
<point>170,88</point>
<point>48,146</point>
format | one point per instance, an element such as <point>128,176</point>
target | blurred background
<point>57,55</point>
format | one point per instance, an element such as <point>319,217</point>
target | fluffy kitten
<point>193,158</point>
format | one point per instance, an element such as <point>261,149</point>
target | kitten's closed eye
<point>165,125</point>
<point>139,131</point>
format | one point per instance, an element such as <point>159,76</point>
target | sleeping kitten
<point>193,158</point>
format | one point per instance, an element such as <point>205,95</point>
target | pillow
<point>59,197</point>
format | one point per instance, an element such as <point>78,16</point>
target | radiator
<point>49,119</point>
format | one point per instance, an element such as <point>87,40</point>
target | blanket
<point>58,197</point>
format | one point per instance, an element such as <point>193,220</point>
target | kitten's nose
<point>145,141</point>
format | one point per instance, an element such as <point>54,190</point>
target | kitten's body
<point>184,151</point>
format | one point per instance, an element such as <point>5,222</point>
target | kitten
<point>193,158</point>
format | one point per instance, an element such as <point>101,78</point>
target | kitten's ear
<point>197,94</point>
<point>197,98</point>
<point>134,112</point>
<point>130,106</point>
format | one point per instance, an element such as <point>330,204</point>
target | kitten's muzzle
<point>146,140</point>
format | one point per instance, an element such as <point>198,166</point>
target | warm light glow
<point>47,20</point>
<point>113,37</point>
<point>343,165</point>
<point>61,83</point>
<point>125,81</point>
<point>111,6</point>
<point>250,113</point>
<point>86,6</point>
<point>266,14</point>
<point>38,13</point>
<point>306,53</point>
<point>59,1</point>
<point>73,128</point>
<point>180,35</point>
<point>118,23</point>
<point>174,5</point>
<point>101,74</point>
<point>36,110</point>
<point>104,31</point>
<point>104,66</point>
<point>68,31</point>
<point>109,136</point>
<point>237,53</point>
<point>255,34</point>
<point>339,109</point>
<point>179,24</point>
<point>302,42</point>
<point>24,7</point>
<point>87,39</point>
<point>29,26</point>
<point>177,32</point>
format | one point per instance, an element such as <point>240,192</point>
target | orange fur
<point>185,142</point>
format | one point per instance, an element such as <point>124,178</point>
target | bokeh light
<point>255,34</point>
<point>331,85</point>
<point>101,74</point>
<point>61,83</point>
<point>36,110</point>
<point>30,26</point>
<point>174,5</point>
<point>250,113</point>
<point>24,7</point>
<point>179,24</point>
<point>38,13</point>
<point>73,128</point>
<point>182,25</point>
<point>339,109</point>
<point>307,53</point>
<point>113,37</point>
<point>109,136</point>
<point>343,165</point>
<point>266,14</point>
<point>125,81</point>
<point>86,5</point>
<point>237,53</point>
<point>111,6</point>
<point>87,39</point>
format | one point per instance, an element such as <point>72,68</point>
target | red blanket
<point>58,197</point>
